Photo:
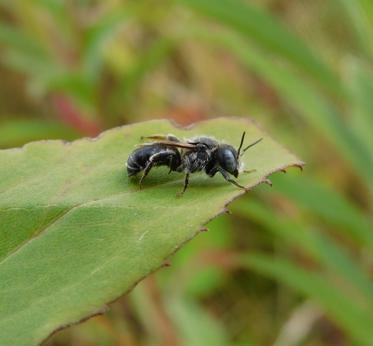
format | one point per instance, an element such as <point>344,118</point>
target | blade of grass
<point>15,38</point>
<point>195,325</point>
<point>268,32</point>
<point>356,11</point>
<point>95,40</point>
<point>24,54</point>
<point>367,8</point>
<point>77,86</point>
<point>322,248</point>
<point>327,203</point>
<point>360,77</point>
<point>148,61</point>
<point>150,311</point>
<point>356,321</point>
<point>193,273</point>
<point>309,103</point>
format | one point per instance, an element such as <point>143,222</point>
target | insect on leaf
<point>77,233</point>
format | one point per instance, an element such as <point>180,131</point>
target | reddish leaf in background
<point>71,115</point>
<point>187,115</point>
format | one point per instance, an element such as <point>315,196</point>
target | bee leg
<point>146,171</point>
<point>152,161</point>
<point>228,178</point>
<point>170,164</point>
<point>249,171</point>
<point>186,182</point>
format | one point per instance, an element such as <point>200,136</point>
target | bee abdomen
<point>133,167</point>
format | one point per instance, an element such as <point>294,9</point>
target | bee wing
<point>171,144</point>
<point>168,137</point>
<point>156,137</point>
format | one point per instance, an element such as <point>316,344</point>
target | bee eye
<point>228,160</point>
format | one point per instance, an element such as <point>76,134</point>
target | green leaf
<point>76,233</point>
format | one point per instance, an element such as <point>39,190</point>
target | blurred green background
<point>292,264</point>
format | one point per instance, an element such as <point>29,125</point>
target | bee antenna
<point>241,143</point>
<point>251,145</point>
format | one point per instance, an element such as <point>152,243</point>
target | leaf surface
<point>76,233</point>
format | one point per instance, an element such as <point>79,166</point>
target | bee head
<point>228,159</point>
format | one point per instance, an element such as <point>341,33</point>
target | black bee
<point>162,153</point>
<point>213,157</point>
<point>194,155</point>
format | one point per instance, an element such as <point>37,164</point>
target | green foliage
<point>356,320</point>
<point>318,111</point>
<point>266,32</point>
<point>289,64</point>
<point>76,233</point>
<point>350,303</point>
<point>322,201</point>
<point>195,325</point>
<point>16,132</point>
